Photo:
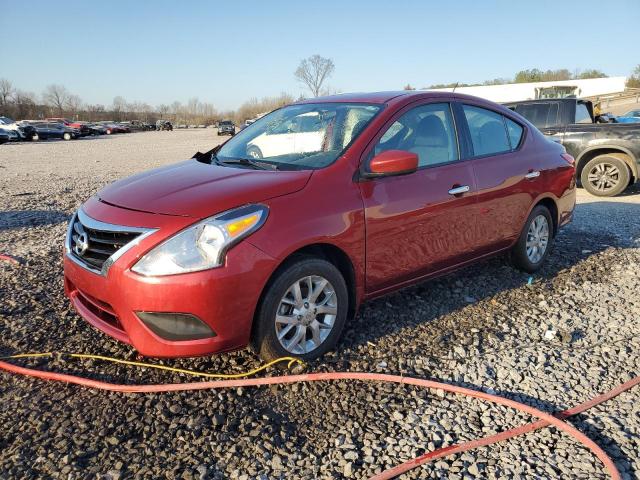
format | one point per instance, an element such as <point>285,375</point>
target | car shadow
<point>12,219</point>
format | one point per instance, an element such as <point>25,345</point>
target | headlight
<point>203,245</point>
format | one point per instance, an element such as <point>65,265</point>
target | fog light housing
<point>176,326</point>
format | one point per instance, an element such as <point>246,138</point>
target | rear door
<point>508,176</point>
<point>422,222</point>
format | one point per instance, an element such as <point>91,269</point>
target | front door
<point>423,222</point>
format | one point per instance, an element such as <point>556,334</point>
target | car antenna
<point>454,87</point>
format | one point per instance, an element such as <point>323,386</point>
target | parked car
<point>226,127</point>
<point>16,130</point>
<point>113,127</point>
<point>4,136</point>
<point>280,252</point>
<point>47,130</point>
<point>164,125</point>
<point>607,154</point>
<point>630,117</point>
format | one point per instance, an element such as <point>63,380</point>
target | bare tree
<point>408,87</point>
<point>74,105</point>
<point>95,111</point>
<point>24,104</point>
<point>6,91</point>
<point>56,97</point>
<point>163,110</point>
<point>119,106</point>
<point>313,71</point>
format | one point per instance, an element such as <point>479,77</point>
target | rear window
<point>542,115</point>
<point>582,114</point>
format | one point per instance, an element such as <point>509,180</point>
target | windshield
<point>307,136</point>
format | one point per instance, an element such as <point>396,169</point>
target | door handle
<point>532,174</point>
<point>459,190</point>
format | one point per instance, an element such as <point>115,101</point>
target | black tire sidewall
<point>519,252</point>
<point>624,172</point>
<point>264,339</point>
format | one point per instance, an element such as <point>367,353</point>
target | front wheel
<point>535,240</point>
<point>302,312</point>
<point>35,137</point>
<point>605,176</point>
<point>66,136</point>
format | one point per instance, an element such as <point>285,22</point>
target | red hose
<point>7,258</point>
<point>544,418</point>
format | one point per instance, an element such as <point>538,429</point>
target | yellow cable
<point>250,373</point>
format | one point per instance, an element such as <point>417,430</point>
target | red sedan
<point>277,236</point>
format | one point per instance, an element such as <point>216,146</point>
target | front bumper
<point>224,298</point>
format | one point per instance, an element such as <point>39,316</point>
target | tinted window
<point>488,134</point>
<point>582,114</point>
<point>427,131</point>
<point>540,114</point>
<point>515,131</point>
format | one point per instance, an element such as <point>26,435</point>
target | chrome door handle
<point>459,190</point>
<point>531,175</point>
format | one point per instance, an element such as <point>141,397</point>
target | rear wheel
<point>302,312</point>
<point>605,176</point>
<point>529,252</point>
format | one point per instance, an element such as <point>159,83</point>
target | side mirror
<point>391,163</point>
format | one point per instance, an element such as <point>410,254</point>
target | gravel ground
<point>482,327</point>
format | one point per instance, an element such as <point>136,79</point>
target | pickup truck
<point>607,154</point>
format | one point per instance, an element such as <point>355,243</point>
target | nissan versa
<point>274,238</point>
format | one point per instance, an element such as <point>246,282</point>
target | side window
<point>542,115</point>
<point>427,131</point>
<point>488,134</point>
<point>515,131</point>
<point>582,114</point>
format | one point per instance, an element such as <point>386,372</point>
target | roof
<point>374,97</point>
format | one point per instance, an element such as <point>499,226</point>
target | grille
<point>92,246</point>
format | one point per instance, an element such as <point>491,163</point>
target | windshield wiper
<point>246,162</point>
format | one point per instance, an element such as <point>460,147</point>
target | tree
<point>74,104</point>
<point>6,92</point>
<point>24,104</point>
<point>56,97</point>
<point>119,106</point>
<point>163,110</point>
<point>313,72</point>
<point>408,87</point>
<point>590,73</point>
<point>634,80</point>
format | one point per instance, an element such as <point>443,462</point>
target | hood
<point>199,190</point>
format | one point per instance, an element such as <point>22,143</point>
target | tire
<point>307,333</point>
<point>35,137</point>
<point>525,254</point>
<point>605,175</point>
<point>66,136</point>
<point>108,131</point>
<point>254,152</point>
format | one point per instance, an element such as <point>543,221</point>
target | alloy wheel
<point>604,176</point>
<point>537,238</point>
<point>306,314</point>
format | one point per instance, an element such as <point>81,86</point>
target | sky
<point>159,51</point>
